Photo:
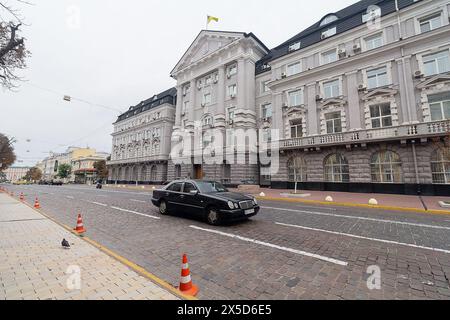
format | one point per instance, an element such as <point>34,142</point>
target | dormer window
<point>295,46</point>
<point>328,32</point>
<point>328,19</point>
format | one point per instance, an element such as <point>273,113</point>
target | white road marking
<point>98,203</point>
<point>140,201</point>
<point>137,213</point>
<point>360,218</point>
<point>365,238</point>
<point>70,197</point>
<point>270,245</point>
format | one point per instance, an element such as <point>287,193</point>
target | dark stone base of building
<point>384,188</point>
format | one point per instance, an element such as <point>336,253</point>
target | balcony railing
<point>138,160</point>
<point>406,131</point>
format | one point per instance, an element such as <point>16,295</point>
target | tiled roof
<point>169,96</point>
<point>347,19</point>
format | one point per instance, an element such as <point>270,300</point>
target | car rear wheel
<point>163,208</point>
<point>212,216</point>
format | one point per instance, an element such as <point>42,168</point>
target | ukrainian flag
<point>211,18</point>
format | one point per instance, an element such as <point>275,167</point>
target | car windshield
<point>211,187</point>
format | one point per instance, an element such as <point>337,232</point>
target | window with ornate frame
<point>440,166</point>
<point>297,169</point>
<point>336,168</point>
<point>386,167</point>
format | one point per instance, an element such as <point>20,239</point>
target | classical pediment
<point>438,79</point>
<point>294,110</point>
<point>206,43</point>
<point>332,102</point>
<point>379,92</point>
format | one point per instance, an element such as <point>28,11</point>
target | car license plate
<point>250,211</point>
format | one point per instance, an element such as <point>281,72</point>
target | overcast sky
<point>119,54</point>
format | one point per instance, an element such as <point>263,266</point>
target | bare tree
<point>13,52</point>
<point>7,155</point>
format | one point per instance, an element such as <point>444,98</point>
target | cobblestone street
<point>288,251</point>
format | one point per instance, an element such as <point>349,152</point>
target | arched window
<point>153,173</point>
<point>135,174</point>
<point>440,166</point>
<point>336,168</point>
<point>144,173</point>
<point>328,19</point>
<point>297,170</point>
<point>177,171</point>
<point>386,167</point>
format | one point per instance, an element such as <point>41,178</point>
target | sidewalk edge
<point>357,205</point>
<point>138,269</point>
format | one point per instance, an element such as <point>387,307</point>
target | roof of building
<point>345,20</point>
<point>168,96</point>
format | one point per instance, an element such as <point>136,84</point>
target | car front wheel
<point>163,208</point>
<point>212,217</point>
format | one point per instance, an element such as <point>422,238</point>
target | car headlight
<point>255,202</point>
<point>236,206</point>
<point>231,205</point>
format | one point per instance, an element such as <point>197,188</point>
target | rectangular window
<point>329,56</point>
<point>295,98</point>
<point>266,111</point>
<point>185,107</point>
<point>381,116</point>
<point>295,46</point>
<point>436,63</point>
<point>377,78</point>
<point>334,122</point>
<point>267,135</point>
<point>293,68</point>
<point>328,32</point>
<point>439,106</point>
<point>374,41</point>
<point>232,70</point>
<point>232,90</point>
<point>296,128</point>
<point>430,23</point>
<point>206,99</point>
<point>264,87</point>
<point>331,89</point>
<point>230,113</point>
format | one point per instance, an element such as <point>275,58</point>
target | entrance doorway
<point>198,172</point>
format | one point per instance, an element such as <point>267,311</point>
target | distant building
<point>80,159</point>
<point>14,174</point>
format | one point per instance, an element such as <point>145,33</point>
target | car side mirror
<point>193,192</point>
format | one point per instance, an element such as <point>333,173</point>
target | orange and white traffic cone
<point>80,227</point>
<point>22,197</point>
<point>186,285</point>
<point>37,205</point>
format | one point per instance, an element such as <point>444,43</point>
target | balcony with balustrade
<point>402,133</point>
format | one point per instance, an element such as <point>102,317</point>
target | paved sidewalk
<point>386,200</point>
<point>34,266</point>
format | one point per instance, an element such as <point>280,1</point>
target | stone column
<point>277,114</point>
<point>410,91</point>
<point>241,85</point>
<point>312,110</point>
<point>192,104</point>
<point>250,91</point>
<point>354,109</point>
<point>179,106</point>
<point>221,91</point>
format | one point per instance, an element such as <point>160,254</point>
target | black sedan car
<point>207,199</point>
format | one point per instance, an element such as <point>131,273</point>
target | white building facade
<point>360,101</point>
<point>141,141</point>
